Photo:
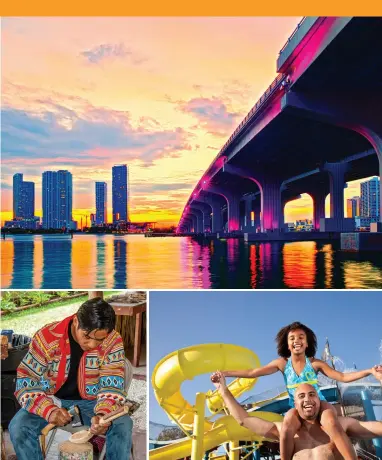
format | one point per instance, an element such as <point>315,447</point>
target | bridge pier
<point>270,189</point>
<point>195,221</point>
<point>233,208</point>
<point>337,222</point>
<point>271,204</point>
<point>252,205</point>
<point>318,197</point>
<point>199,219</point>
<point>205,209</point>
<point>216,206</point>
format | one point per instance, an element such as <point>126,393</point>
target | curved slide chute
<point>187,363</point>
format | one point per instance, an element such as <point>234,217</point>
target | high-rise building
<point>354,207</point>
<point>120,194</point>
<point>57,199</point>
<point>17,181</point>
<point>23,198</point>
<point>101,203</point>
<point>370,192</point>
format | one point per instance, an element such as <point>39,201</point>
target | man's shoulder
<point>112,341</point>
<point>51,334</point>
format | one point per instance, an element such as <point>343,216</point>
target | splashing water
<point>340,366</point>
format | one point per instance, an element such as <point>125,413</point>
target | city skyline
<point>125,92</point>
<point>105,210</point>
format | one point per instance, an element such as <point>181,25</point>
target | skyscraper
<point>120,194</point>
<point>370,191</point>
<point>353,206</point>
<point>23,198</point>
<point>17,181</point>
<point>101,203</point>
<point>57,199</point>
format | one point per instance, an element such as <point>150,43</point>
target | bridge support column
<point>216,207</point>
<point>199,220</point>
<point>257,210</point>
<point>196,220</point>
<point>233,202</point>
<point>337,184</point>
<point>270,188</point>
<point>318,198</point>
<point>217,220</point>
<point>188,225</point>
<point>233,212</point>
<point>248,212</point>
<point>205,209</point>
<point>271,205</point>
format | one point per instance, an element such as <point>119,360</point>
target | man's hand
<point>377,371</point>
<point>96,428</point>
<point>60,417</point>
<point>218,379</point>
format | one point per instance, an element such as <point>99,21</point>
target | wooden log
<point>69,451</point>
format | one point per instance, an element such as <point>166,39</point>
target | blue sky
<point>351,320</point>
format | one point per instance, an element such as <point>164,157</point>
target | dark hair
<point>282,340</point>
<point>96,314</point>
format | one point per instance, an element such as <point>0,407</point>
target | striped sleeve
<point>29,386</point>
<point>111,394</point>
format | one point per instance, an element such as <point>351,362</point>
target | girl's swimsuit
<point>292,380</point>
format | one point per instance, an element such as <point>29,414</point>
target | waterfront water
<point>132,261</point>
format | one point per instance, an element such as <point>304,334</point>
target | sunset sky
<point>159,94</point>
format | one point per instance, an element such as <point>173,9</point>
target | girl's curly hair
<point>282,340</point>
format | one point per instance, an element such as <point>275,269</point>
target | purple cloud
<point>105,51</point>
<point>212,114</point>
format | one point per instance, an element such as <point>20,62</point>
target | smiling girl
<point>296,346</point>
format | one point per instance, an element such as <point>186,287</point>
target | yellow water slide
<point>187,363</point>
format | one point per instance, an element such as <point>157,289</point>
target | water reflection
<point>299,264</point>
<point>108,261</point>
<point>57,258</point>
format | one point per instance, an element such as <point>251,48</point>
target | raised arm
<point>270,368</point>
<point>361,430</point>
<point>257,425</point>
<point>347,376</point>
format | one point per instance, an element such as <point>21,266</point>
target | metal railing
<point>293,34</point>
<point>268,92</point>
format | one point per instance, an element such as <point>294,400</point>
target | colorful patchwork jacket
<point>45,369</point>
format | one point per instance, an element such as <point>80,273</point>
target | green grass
<point>58,303</point>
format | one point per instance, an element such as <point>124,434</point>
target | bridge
<point>316,127</point>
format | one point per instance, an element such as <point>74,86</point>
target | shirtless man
<point>311,442</point>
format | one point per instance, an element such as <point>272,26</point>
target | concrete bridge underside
<point>321,124</point>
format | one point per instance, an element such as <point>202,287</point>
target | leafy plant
<point>7,304</point>
<point>63,294</point>
<point>39,297</point>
